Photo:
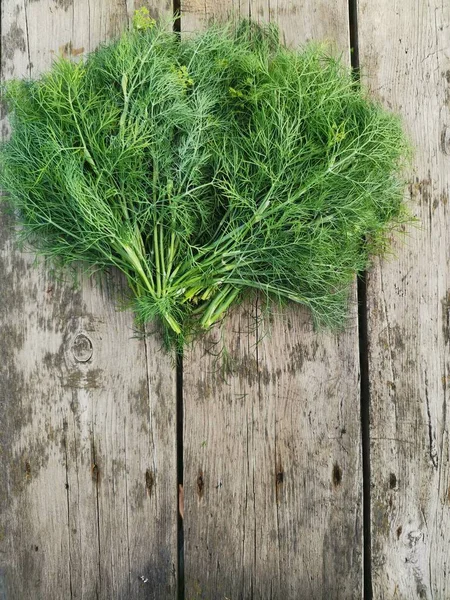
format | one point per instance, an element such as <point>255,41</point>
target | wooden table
<point>299,465</point>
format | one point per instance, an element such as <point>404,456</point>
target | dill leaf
<point>204,167</point>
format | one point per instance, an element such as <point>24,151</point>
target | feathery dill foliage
<point>204,167</point>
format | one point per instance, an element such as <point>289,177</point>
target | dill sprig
<point>206,167</point>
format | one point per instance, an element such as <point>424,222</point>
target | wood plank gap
<point>365,433</point>
<point>176,6</point>
<point>180,468</point>
<point>363,352</point>
<point>353,34</point>
<point>177,15</point>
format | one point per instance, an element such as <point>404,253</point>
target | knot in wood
<point>445,140</point>
<point>82,348</point>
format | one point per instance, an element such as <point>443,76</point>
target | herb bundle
<point>205,167</point>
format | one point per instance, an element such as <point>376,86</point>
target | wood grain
<point>406,62</point>
<point>88,425</point>
<point>272,469</point>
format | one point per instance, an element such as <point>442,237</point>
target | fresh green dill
<point>206,167</point>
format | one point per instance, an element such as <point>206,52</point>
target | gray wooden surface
<point>88,486</point>
<point>270,449</point>
<point>409,303</point>
<point>272,469</point>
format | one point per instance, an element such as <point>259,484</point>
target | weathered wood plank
<point>272,470</point>
<point>406,61</point>
<point>88,428</point>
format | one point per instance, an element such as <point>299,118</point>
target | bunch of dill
<point>205,167</point>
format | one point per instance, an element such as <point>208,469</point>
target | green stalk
<point>136,264</point>
<point>157,261</point>
<point>126,100</point>
<point>219,305</point>
<point>172,323</point>
<point>197,283</point>
<point>162,259</point>
<point>271,289</point>
<point>192,292</point>
<point>87,154</point>
<point>217,263</point>
<point>172,250</point>
<point>228,240</point>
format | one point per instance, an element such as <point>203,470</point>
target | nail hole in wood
<point>200,485</point>
<point>149,482</point>
<point>392,481</point>
<point>279,479</point>
<point>337,475</point>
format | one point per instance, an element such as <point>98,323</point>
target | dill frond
<point>206,167</point>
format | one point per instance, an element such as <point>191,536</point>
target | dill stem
<point>272,289</point>
<point>172,249</point>
<point>217,264</point>
<point>124,204</point>
<point>136,264</point>
<point>174,325</point>
<point>126,100</point>
<point>157,261</point>
<point>232,238</point>
<point>87,154</point>
<point>218,306</point>
<point>162,259</point>
<point>195,281</point>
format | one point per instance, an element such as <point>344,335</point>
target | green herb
<point>206,167</point>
